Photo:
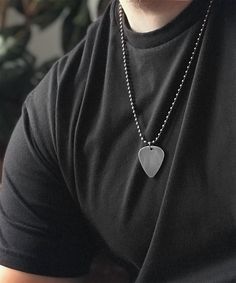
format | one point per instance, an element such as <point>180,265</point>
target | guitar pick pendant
<point>151,158</point>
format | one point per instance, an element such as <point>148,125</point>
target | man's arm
<point>8,275</point>
<point>103,270</point>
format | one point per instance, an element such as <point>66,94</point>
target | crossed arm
<point>102,270</point>
<point>8,275</point>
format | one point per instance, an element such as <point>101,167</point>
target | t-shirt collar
<point>187,18</point>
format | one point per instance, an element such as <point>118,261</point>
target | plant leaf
<point>15,84</point>
<point>13,41</point>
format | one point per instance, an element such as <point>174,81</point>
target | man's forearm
<point>8,275</point>
<point>105,272</point>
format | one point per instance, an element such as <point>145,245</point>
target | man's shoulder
<point>95,41</point>
<point>98,30</point>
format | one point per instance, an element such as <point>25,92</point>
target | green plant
<point>18,71</point>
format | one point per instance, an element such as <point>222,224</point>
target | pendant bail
<point>150,145</point>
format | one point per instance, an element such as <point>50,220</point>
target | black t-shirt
<point>72,181</point>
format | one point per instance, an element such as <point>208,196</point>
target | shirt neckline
<point>193,13</point>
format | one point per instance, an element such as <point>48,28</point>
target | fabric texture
<point>72,182</point>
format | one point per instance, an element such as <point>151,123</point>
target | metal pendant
<point>151,158</point>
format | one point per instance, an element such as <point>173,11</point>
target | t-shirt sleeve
<point>42,229</point>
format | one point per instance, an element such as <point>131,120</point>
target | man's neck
<point>148,15</point>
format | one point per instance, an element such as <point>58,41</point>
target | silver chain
<point>128,76</point>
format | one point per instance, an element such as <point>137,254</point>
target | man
<point>127,149</point>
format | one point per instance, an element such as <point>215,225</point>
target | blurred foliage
<point>18,71</point>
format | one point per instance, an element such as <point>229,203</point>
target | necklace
<point>151,157</point>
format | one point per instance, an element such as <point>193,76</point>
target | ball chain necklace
<point>150,156</point>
